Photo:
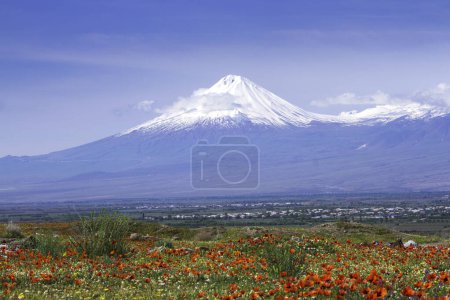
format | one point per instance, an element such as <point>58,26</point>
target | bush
<point>104,234</point>
<point>280,259</point>
<point>50,245</point>
<point>13,230</point>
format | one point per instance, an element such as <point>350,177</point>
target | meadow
<point>96,258</point>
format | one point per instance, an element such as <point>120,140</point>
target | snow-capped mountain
<point>235,101</point>
<point>385,148</point>
<point>231,102</point>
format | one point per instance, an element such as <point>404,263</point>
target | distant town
<point>267,210</point>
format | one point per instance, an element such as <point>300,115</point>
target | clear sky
<point>75,71</point>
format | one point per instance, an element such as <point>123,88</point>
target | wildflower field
<point>272,264</point>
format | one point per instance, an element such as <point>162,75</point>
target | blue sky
<point>75,71</point>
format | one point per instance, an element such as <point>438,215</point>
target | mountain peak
<point>231,79</point>
<point>231,101</point>
<point>229,83</point>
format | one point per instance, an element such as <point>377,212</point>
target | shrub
<point>13,230</point>
<point>285,256</point>
<point>48,244</point>
<point>280,259</point>
<point>104,234</point>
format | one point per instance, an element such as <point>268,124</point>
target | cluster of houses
<point>292,210</point>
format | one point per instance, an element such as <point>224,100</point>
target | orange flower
<point>365,291</point>
<point>408,291</point>
<point>427,285</point>
<point>374,277</point>
<point>444,277</point>
<point>201,294</point>
<point>232,287</point>
<point>431,276</point>
<point>380,293</point>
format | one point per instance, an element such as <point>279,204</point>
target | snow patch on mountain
<point>388,113</point>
